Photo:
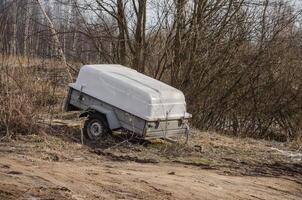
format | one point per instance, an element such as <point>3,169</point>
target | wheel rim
<point>96,129</point>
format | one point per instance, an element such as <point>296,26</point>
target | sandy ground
<point>54,167</point>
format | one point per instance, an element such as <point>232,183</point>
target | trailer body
<point>129,100</point>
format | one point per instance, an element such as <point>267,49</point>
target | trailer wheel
<point>95,127</point>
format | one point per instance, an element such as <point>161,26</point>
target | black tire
<point>95,127</point>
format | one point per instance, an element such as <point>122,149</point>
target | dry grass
<point>26,92</point>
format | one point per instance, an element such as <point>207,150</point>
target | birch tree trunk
<point>28,11</point>
<point>56,40</point>
<point>74,21</point>
<point>13,49</point>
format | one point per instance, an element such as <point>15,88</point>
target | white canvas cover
<point>131,91</point>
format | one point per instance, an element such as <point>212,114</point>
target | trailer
<point>114,97</point>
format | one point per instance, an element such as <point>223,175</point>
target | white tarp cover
<point>131,91</point>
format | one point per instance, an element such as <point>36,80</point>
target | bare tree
<point>122,49</point>
<point>56,39</point>
<point>14,28</point>
<point>28,12</point>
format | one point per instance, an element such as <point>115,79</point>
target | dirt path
<point>29,178</point>
<point>56,166</point>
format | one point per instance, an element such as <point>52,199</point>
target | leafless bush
<point>23,96</point>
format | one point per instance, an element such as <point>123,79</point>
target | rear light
<point>179,122</point>
<point>182,121</point>
<point>153,124</point>
<point>156,124</point>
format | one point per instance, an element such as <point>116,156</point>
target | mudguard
<point>112,120</point>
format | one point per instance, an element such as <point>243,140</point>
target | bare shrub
<point>23,97</point>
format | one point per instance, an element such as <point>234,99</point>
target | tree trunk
<point>56,40</point>
<point>28,11</point>
<point>121,37</point>
<point>179,21</point>
<point>140,35</point>
<point>13,49</point>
